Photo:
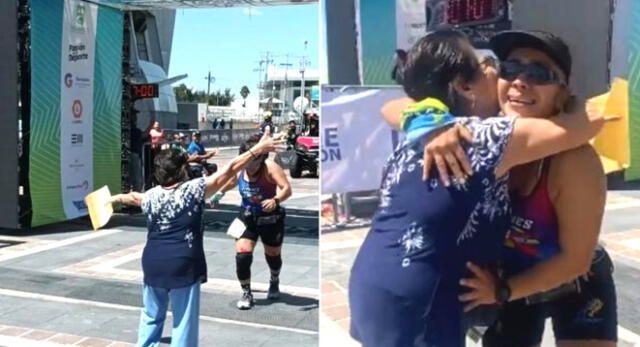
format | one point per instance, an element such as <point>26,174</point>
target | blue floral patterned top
<point>174,256</point>
<point>423,232</point>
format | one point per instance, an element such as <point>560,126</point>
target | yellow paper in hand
<point>100,210</point>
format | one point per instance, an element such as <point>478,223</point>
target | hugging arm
<point>532,139</point>
<point>392,110</point>
<point>536,138</point>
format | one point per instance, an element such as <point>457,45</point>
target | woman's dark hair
<point>434,62</point>
<point>252,141</point>
<point>170,167</point>
<point>255,138</point>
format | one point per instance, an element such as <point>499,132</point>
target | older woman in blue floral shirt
<point>173,259</point>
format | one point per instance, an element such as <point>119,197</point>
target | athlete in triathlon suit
<point>263,185</point>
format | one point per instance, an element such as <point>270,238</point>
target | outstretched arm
<point>232,183</point>
<point>220,178</point>
<point>131,198</point>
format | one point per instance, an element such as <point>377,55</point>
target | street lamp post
<point>210,79</point>
<point>286,81</point>
<point>303,64</point>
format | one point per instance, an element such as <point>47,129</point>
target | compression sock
<point>243,270</point>
<point>275,264</point>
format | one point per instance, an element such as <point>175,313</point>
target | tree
<point>221,99</point>
<point>218,98</point>
<point>183,93</point>
<point>244,92</point>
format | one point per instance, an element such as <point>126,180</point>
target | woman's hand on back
<point>483,288</point>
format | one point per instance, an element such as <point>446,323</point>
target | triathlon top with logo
<point>174,256</point>
<point>407,272</point>
<point>253,193</point>
<point>533,236</point>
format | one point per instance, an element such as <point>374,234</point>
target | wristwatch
<point>503,292</point>
<point>277,200</point>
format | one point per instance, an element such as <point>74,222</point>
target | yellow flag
<point>100,210</point>
<point>612,143</point>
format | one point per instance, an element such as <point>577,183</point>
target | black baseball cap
<point>505,42</point>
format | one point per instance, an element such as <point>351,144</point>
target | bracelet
<point>252,155</point>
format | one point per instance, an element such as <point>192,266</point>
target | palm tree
<point>244,92</point>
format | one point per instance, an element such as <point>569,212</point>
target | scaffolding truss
<point>175,4</point>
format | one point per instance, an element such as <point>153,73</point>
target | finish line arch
<point>129,5</point>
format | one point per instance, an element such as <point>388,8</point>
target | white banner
<point>76,104</point>
<point>356,140</point>
<point>411,22</point>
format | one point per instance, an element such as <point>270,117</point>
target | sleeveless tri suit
<point>586,310</point>
<point>267,225</point>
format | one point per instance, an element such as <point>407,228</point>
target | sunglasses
<point>534,73</point>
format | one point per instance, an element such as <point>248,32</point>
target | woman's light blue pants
<point>185,305</point>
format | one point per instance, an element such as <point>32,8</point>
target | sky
<point>231,41</point>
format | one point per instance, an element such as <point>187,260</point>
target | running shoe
<point>274,290</point>
<point>246,302</point>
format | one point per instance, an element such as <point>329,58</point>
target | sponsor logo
<point>76,164</point>
<point>79,21</point>
<point>83,82</point>
<point>77,139</point>
<point>80,205</point>
<point>68,80</point>
<point>76,108</point>
<point>84,186</point>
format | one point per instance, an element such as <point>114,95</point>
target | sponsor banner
<point>356,140</point>
<point>76,104</point>
<point>76,73</point>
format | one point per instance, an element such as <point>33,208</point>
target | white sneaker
<point>246,302</point>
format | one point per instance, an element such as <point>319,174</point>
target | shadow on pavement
<point>79,224</point>
<point>307,304</point>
